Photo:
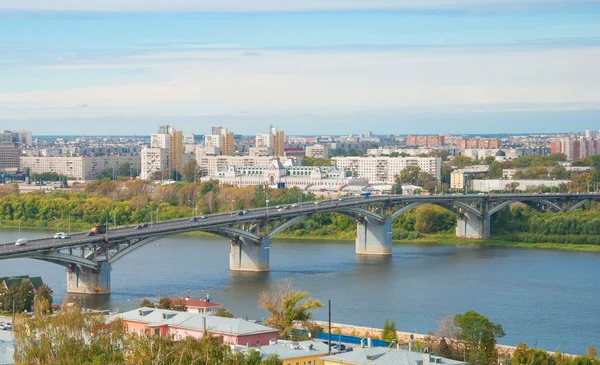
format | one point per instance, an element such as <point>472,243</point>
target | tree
<point>223,312</point>
<point>478,334</point>
<point>147,304</point>
<point>287,306</point>
<point>410,175</point>
<point>125,169</point>
<point>389,331</point>
<point>271,360</point>
<point>157,176</point>
<point>105,174</point>
<point>164,303</point>
<point>44,294</point>
<point>190,171</point>
<point>397,185</point>
<point>179,305</point>
<point>24,296</point>
<point>68,337</point>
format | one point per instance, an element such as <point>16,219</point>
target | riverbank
<point>446,238</point>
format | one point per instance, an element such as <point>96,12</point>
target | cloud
<point>325,82</point>
<point>271,5</point>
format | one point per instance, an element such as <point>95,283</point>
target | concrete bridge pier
<point>374,237</point>
<point>84,280</point>
<point>469,225</point>
<point>250,255</point>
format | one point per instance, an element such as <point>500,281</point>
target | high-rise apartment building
<point>278,143</point>
<point>216,130</point>
<point>575,148</point>
<point>175,151</point>
<point>227,143</point>
<point>79,167</point>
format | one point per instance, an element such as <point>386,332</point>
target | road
<point>184,225</point>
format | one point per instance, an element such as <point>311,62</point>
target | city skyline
<point>332,67</point>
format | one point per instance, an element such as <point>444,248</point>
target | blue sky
<point>316,66</point>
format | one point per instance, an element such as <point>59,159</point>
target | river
<point>544,297</point>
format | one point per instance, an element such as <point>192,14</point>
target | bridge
<point>88,259</point>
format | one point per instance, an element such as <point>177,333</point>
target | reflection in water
<point>530,292</point>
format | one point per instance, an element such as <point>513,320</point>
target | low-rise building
<point>386,356</point>
<point>179,325</point>
<point>292,353</point>
<point>513,185</point>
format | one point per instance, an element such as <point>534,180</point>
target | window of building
<point>157,332</point>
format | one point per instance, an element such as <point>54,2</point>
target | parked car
<point>21,242</point>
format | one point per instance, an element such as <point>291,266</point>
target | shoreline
<point>427,239</point>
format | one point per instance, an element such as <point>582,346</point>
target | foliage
<point>72,338</point>
<point>43,299</point>
<point>23,297</point>
<point>48,176</point>
<point>164,303</point>
<point>146,304</point>
<point>69,337</point>
<point>224,312</point>
<point>478,334</point>
<point>190,171</point>
<point>524,355</point>
<point>287,306</point>
<point>179,305</point>
<point>389,331</point>
<point>314,161</point>
<point>106,174</point>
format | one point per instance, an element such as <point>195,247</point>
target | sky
<point>307,67</point>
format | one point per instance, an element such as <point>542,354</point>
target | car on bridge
<point>21,242</point>
<point>295,205</point>
<point>61,236</point>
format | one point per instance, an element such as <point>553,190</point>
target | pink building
<point>179,325</point>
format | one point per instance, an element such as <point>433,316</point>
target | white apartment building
<point>317,151</point>
<point>153,159</point>
<point>383,170</point>
<point>212,141</point>
<point>210,165</point>
<point>159,140</point>
<point>79,167</point>
<point>264,140</point>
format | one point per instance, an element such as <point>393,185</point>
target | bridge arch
<point>553,206</point>
<point>451,206</point>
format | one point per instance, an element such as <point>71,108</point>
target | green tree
<point>272,360</point>
<point>479,335</point>
<point>389,331</point>
<point>410,175</point>
<point>125,169</point>
<point>164,303</point>
<point>287,306</point>
<point>24,297</point>
<point>44,293</point>
<point>147,304</point>
<point>105,174</point>
<point>223,312</point>
<point>397,185</point>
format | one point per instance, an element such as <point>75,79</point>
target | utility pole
<point>329,334</point>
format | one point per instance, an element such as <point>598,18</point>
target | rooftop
<point>388,356</point>
<point>154,317</point>
<point>291,350</point>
